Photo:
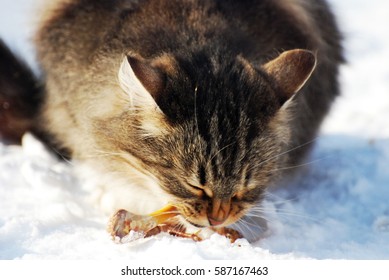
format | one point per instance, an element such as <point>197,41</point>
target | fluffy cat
<point>198,103</point>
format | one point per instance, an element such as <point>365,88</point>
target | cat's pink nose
<point>219,211</point>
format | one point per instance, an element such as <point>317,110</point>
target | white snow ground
<point>337,208</point>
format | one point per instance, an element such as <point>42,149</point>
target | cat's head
<point>210,130</point>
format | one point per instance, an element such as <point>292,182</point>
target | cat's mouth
<point>205,223</point>
<point>195,224</point>
<point>216,215</point>
<point>198,222</point>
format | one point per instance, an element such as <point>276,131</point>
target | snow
<point>337,208</point>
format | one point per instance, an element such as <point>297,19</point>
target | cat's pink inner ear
<point>290,70</point>
<point>152,78</point>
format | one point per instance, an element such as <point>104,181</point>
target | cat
<point>197,103</point>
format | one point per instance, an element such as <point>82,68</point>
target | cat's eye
<point>201,190</point>
<point>198,190</point>
<point>195,187</point>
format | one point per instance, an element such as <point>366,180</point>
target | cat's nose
<point>219,211</point>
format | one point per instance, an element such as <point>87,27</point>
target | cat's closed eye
<point>196,189</point>
<point>202,191</point>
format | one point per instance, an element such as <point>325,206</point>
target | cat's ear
<point>142,81</point>
<point>290,70</point>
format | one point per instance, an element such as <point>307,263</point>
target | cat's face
<point>211,132</point>
<point>215,181</point>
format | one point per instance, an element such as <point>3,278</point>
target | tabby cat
<point>198,103</point>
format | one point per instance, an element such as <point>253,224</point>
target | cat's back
<point>81,44</point>
<point>81,28</point>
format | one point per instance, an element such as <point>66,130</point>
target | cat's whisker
<point>64,158</point>
<point>278,201</point>
<point>219,151</point>
<point>252,222</point>
<point>301,165</point>
<point>102,154</point>
<point>273,195</point>
<point>58,153</point>
<point>244,229</point>
<point>294,214</point>
<point>261,215</point>
<point>270,194</point>
<point>264,212</point>
<point>250,230</point>
<point>97,152</point>
<point>178,227</point>
<point>283,153</point>
<point>97,156</point>
<point>71,163</point>
<point>200,142</point>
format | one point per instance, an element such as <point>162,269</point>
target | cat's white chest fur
<point>111,192</point>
